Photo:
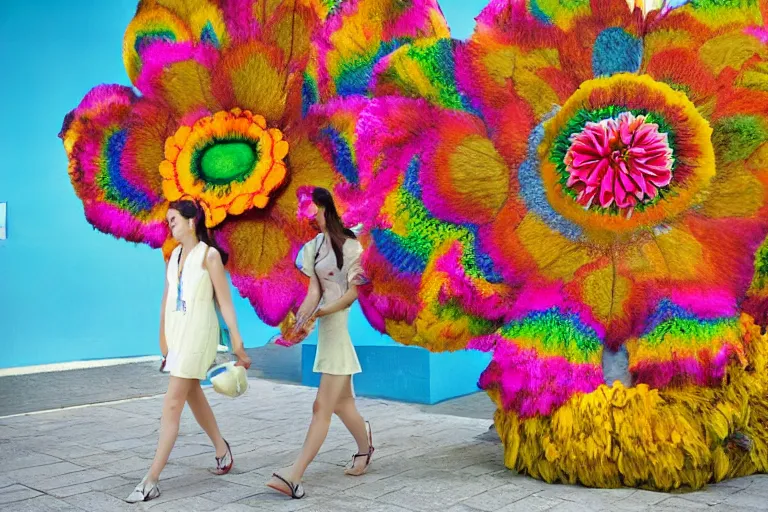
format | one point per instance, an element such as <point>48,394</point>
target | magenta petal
<point>626,136</point>
<point>620,191</point>
<point>627,184</point>
<point>593,180</point>
<point>606,195</point>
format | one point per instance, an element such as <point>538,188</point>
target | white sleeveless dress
<point>191,323</point>
<point>335,352</point>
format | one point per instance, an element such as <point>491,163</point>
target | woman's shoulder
<point>352,244</point>
<point>211,255</point>
<point>314,243</point>
<point>210,251</point>
<point>174,253</point>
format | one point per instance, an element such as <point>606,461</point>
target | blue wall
<point>68,292</point>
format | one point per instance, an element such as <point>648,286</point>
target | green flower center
<point>223,161</point>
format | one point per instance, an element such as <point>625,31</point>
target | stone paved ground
<point>427,459</point>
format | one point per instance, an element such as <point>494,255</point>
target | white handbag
<point>228,379</point>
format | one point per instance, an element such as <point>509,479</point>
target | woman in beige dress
<point>332,261</point>
<point>189,336</point>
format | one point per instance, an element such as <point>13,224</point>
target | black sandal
<point>297,490</point>
<point>360,472</point>
<point>224,464</point>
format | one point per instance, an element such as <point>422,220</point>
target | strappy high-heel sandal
<point>224,464</point>
<point>145,491</point>
<point>296,490</point>
<point>353,471</point>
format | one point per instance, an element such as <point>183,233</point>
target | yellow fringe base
<point>647,438</point>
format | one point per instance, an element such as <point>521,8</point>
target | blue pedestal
<point>408,374</point>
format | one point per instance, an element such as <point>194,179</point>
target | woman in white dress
<point>332,261</point>
<point>189,336</point>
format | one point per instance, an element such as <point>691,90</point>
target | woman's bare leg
<point>173,405</point>
<point>205,418</point>
<point>350,416</point>
<point>331,388</point>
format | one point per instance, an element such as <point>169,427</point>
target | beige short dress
<point>335,353</point>
<point>191,323</point>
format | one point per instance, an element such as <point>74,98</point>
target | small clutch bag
<point>292,333</point>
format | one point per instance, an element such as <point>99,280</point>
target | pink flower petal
<point>623,161</point>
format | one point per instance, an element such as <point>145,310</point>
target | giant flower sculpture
<point>226,116</point>
<point>221,118</point>
<point>576,179</point>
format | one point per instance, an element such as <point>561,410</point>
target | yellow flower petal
<point>275,177</point>
<point>170,190</point>
<point>167,169</point>
<point>276,135</point>
<point>240,204</point>
<point>217,215</point>
<point>281,150</point>
<point>260,201</point>
<point>255,131</point>
<point>180,137</point>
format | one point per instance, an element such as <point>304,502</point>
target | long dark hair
<point>191,210</point>
<point>333,225</point>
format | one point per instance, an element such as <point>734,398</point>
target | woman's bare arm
<point>224,297</point>
<point>163,341</point>
<point>314,293</point>
<point>344,302</point>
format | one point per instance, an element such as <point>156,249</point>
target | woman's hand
<point>301,319</point>
<point>242,359</point>
<point>321,312</point>
<point>306,324</point>
<point>238,349</point>
<point>305,311</point>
